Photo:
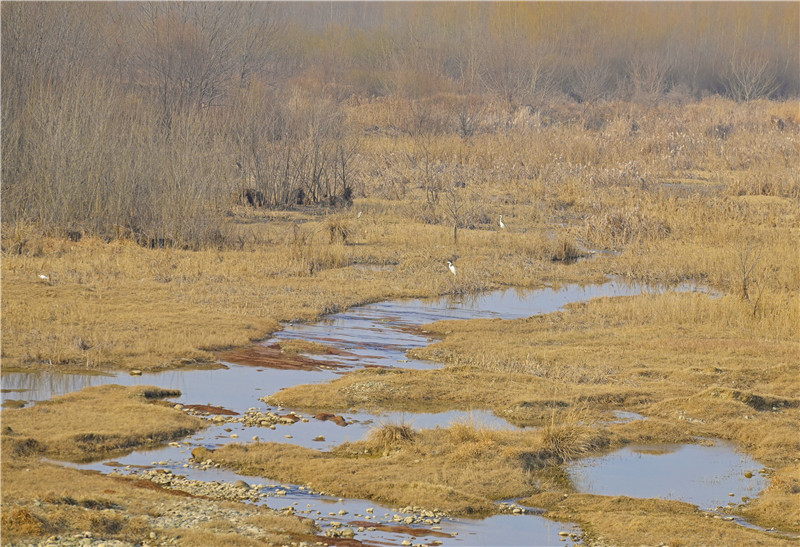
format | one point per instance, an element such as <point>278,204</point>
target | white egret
<point>452,267</point>
<point>502,224</point>
<point>44,277</point>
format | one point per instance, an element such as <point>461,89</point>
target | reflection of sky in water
<point>701,475</point>
<point>237,388</point>
<point>501,530</point>
<point>379,334</point>
<point>376,334</point>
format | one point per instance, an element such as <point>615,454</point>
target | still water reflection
<point>377,334</point>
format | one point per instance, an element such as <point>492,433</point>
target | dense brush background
<point>149,121</point>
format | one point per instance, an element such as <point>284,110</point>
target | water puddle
<point>706,476</point>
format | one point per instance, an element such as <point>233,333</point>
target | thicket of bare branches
<point>151,120</point>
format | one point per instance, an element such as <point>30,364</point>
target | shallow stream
<point>381,334</point>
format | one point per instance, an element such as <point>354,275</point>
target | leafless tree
<point>750,74</point>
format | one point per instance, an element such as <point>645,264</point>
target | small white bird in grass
<point>452,267</point>
<point>44,277</point>
<point>502,224</point>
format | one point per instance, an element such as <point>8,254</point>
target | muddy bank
<point>272,356</point>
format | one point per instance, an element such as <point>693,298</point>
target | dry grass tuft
<point>390,438</point>
<point>22,522</point>
<point>568,435</point>
<point>295,347</point>
<point>338,228</point>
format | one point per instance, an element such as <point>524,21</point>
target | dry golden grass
<point>389,438</point>
<point>462,469</point>
<point>569,435</point>
<point>43,499</point>
<point>95,423</point>
<point>628,521</point>
<point>707,192</point>
<point>695,365</point>
<point>295,347</point>
<point>118,305</point>
<point>778,505</point>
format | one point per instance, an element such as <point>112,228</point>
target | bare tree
<point>184,55</point>
<point>590,81</point>
<point>648,72</point>
<point>750,74</point>
<point>748,253</point>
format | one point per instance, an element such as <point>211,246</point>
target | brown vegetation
<point>43,499</point>
<point>94,423</point>
<point>149,121</point>
<point>461,469</point>
<point>630,521</point>
<point>178,179</point>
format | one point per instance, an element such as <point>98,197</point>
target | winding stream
<point>380,334</point>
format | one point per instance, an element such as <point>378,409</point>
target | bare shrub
<point>616,229</point>
<point>751,73</point>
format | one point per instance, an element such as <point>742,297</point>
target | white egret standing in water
<point>452,267</point>
<point>502,224</point>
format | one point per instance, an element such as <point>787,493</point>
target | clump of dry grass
<point>294,347</point>
<point>338,228</point>
<point>390,438</point>
<point>21,522</point>
<point>565,250</point>
<point>467,441</point>
<point>568,435</point>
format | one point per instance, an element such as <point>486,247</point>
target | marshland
<point>228,316</point>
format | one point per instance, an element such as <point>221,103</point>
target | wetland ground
<point>671,202</point>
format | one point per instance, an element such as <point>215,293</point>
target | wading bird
<point>502,224</point>
<point>452,267</point>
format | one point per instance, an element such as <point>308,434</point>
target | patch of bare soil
<point>211,409</point>
<point>335,418</point>
<point>272,356</point>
